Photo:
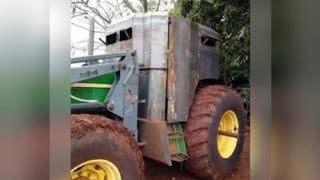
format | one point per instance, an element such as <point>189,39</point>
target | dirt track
<point>155,171</point>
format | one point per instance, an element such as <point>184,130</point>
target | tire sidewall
<point>95,145</point>
<point>230,101</point>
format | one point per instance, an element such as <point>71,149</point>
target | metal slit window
<point>126,34</point>
<point>111,39</point>
<point>208,41</point>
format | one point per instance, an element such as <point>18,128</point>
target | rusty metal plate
<point>190,60</point>
<point>154,134</point>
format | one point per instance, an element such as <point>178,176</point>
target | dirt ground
<point>155,171</point>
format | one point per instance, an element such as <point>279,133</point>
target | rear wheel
<point>102,149</point>
<point>214,132</point>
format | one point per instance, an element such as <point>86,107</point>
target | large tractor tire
<point>103,149</point>
<point>214,132</point>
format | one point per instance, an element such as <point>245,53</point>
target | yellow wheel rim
<point>228,133</point>
<point>96,170</point>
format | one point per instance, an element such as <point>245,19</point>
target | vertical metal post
<point>91,35</point>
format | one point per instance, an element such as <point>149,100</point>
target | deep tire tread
<point>85,123</point>
<point>200,116</point>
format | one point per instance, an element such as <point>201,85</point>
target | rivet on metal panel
<point>123,66</point>
<point>110,106</point>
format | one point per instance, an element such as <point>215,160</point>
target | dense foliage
<point>231,19</point>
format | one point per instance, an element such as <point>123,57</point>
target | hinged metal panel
<point>189,61</point>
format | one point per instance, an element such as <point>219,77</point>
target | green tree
<point>231,19</point>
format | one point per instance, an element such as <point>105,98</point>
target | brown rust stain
<point>156,138</point>
<point>171,73</point>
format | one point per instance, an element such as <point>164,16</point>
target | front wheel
<point>102,149</point>
<point>214,132</point>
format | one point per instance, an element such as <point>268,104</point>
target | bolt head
<point>123,66</point>
<point>110,106</point>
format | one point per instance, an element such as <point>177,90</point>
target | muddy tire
<point>202,131</point>
<point>96,137</point>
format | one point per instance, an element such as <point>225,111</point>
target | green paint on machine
<point>98,94</point>
<point>178,137</point>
